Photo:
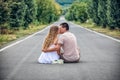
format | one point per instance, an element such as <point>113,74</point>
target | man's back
<point>69,45</point>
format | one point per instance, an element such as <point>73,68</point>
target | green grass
<point>107,31</point>
<point>6,38</point>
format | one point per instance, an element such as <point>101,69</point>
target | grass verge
<point>6,38</point>
<point>106,31</point>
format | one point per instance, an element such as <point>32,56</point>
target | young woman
<point>50,42</point>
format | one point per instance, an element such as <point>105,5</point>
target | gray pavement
<point>100,59</point>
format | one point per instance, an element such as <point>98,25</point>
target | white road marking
<point>103,35</point>
<point>22,40</point>
<point>99,33</point>
<point>48,27</point>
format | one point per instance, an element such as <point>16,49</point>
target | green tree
<point>17,14</point>
<point>4,16</point>
<point>30,13</point>
<point>93,11</point>
<point>113,14</point>
<point>47,11</point>
<point>77,12</point>
<point>102,10</point>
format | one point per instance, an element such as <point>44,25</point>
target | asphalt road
<point>100,58</point>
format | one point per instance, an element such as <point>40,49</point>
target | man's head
<point>63,28</point>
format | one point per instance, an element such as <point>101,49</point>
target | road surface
<point>100,58</point>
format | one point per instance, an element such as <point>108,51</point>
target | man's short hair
<point>65,25</point>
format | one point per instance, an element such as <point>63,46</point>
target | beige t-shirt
<point>69,45</point>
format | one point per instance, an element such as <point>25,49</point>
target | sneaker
<point>60,61</point>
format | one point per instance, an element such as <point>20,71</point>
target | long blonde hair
<point>50,37</point>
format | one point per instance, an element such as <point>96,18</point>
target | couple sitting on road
<point>51,50</point>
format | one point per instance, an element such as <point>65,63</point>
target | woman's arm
<point>56,48</point>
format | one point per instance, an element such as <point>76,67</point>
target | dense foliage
<point>77,12</point>
<point>15,14</point>
<point>113,14</point>
<point>105,13</point>
<point>4,14</point>
<point>47,11</point>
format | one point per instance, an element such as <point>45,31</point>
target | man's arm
<point>56,48</point>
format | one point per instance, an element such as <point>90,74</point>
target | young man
<point>68,42</point>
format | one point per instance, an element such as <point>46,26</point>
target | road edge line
<point>101,34</point>
<point>13,44</point>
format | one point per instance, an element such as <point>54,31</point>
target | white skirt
<point>48,57</point>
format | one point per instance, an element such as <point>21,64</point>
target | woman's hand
<point>44,50</point>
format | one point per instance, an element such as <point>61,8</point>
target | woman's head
<point>52,34</point>
<point>53,30</point>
